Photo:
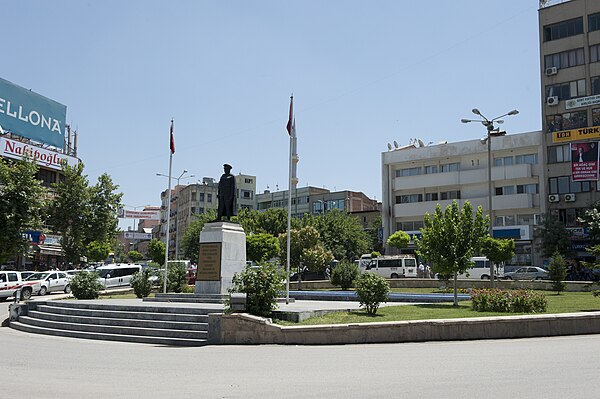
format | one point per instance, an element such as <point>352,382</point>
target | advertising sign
<point>592,132</point>
<point>32,115</point>
<point>584,161</point>
<point>43,157</point>
<point>145,215</point>
<point>582,102</point>
<point>133,235</point>
<point>209,262</point>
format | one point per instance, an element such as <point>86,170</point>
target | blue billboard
<point>31,115</point>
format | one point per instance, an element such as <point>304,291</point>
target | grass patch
<point>567,302</point>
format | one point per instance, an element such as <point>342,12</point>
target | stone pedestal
<point>222,253</point>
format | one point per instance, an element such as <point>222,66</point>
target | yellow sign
<point>576,134</point>
<point>209,262</point>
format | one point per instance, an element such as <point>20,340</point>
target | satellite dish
<point>395,144</point>
<point>389,147</point>
<point>421,144</point>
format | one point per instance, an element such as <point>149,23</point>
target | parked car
<point>307,275</point>
<point>527,273</point>
<point>50,282</point>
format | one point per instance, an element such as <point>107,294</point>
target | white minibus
<point>396,266</point>
<point>481,270</point>
<point>116,275</point>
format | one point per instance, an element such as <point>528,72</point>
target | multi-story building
<point>418,178</point>
<point>314,200</point>
<point>569,36</point>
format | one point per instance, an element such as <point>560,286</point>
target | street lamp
<point>177,214</point>
<point>491,132</point>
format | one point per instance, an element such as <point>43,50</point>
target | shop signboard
<point>31,115</point>
<point>43,157</point>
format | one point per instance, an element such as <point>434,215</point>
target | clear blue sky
<point>363,73</point>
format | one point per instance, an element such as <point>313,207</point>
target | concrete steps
<point>160,325</point>
<point>187,298</point>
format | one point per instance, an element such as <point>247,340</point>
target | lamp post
<point>177,214</point>
<point>491,132</point>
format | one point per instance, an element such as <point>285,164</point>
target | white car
<point>50,282</point>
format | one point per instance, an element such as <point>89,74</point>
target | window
<point>450,167</point>
<point>526,219</point>
<point>559,153</point>
<point>526,159</point>
<point>504,161</point>
<point>595,53</point>
<point>201,197</point>
<point>595,85</point>
<point>247,194</point>
<point>564,185</point>
<point>248,181</point>
<point>410,226</point>
<point>566,121</point>
<point>208,197</point>
<point>593,22</point>
<point>448,195</point>
<point>431,196</point>
<point>194,196</point>
<point>563,29</point>
<point>408,172</point>
<point>508,220</point>
<point>506,190</point>
<point>565,59</point>
<point>527,189</point>
<point>410,198</point>
<point>431,169</point>
<point>567,90</point>
<point>596,117</point>
<point>47,177</point>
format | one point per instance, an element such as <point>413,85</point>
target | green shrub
<point>344,274</point>
<point>262,285</point>
<point>508,301</point>
<point>85,285</point>
<point>557,272</point>
<point>141,284</point>
<point>371,290</point>
<point>176,276</point>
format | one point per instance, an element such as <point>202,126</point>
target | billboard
<point>47,158</point>
<point>584,133</point>
<point>145,215</point>
<point>32,115</point>
<point>584,161</point>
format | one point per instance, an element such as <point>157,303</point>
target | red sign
<point>584,161</point>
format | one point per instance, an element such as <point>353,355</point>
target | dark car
<point>311,276</point>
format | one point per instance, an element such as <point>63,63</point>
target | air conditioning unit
<point>552,101</point>
<point>569,197</point>
<point>553,198</point>
<point>551,71</point>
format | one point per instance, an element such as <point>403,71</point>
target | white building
<point>417,178</point>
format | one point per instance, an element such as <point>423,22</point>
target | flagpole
<point>289,219</point>
<point>171,151</point>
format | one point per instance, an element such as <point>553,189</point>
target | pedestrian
<point>421,273</point>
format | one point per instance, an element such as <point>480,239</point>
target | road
<point>558,367</point>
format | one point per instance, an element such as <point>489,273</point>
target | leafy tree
<point>450,238</point>
<point>371,290</point>
<point>557,272</point>
<point>262,286</point>
<point>69,212</point>
<point>305,249</point>
<point>102,213</point>
<point>22,199</point>
<point>592,219</point>
<point>399,239</point>
<point>156,251</point>
<point>261,247</point>
<point>498,250</point>
<point>97,251</point>
<point>344,274</point>
<point>134,256</point>
<point>190,243</point>
<point>554,237</point>
<point>317,258</point>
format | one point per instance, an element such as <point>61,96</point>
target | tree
<point>135,256</point>
<point>498,250</point>
<point>156,251</point>
<point>69,212</point>
<point>557,272</point>
<point>190,243</point>
<point>450,238</point>
<point>554,237</point>
<point>344,274</point>
<point>97,251</point>
<point>305,249</point>
<point>371,290</point>
<point>103,207</point>
<point>22,199</point>
<point>262,286</point>
<point>399,240</point>
<point>272,221</point>
<point>261,247</point>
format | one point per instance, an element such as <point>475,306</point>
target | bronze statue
<point>226,195</point>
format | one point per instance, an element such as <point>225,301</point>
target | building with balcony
<point>417,178</point>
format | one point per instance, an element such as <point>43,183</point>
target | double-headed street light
<point>491,132</point>
<point>177,214</point>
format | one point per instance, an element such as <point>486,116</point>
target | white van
<point>481,270</point>
<point>396,266</point>
<point>117,275</point>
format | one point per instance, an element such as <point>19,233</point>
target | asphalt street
<point>56,367</point>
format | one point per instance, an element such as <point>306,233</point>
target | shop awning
<point>55,250</point>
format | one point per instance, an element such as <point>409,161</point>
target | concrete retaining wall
<point>245,329</point>
<point>571,286</point>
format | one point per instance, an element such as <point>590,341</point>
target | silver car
<point>527,273</point>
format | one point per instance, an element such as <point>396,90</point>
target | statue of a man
<point>226,195</point>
